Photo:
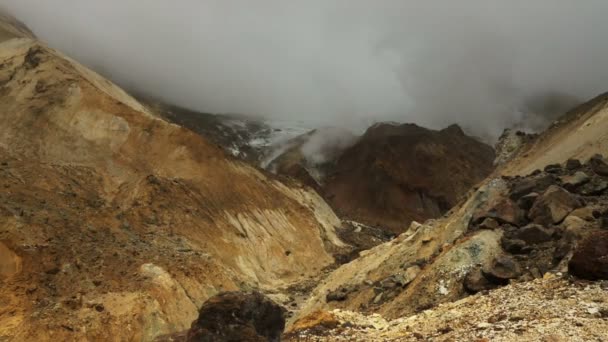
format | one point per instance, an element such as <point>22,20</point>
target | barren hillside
<point>117,224</point>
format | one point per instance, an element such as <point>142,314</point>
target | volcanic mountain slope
<point>391,175</point>
<point>580,133</point>
<point>251,139</point>
<point>115,224</point>
<point>396,174</point>
<point>511,230</point>
<point>388,177</point>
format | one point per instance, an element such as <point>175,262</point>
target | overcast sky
<point>344,62</point>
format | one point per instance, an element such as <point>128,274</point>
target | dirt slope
<point>115,224</point>
<point>580,133</point>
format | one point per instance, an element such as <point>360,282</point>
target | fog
<point>484,64</point>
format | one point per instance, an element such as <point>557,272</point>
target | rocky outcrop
<point>509,144</point>
<point>238,316</point>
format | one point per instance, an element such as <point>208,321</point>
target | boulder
<point>598,165</point>
<point>238,316</point>
<point>533,234</point>
<point>585,213</point>
<point>590,258</point>
<point>410,274</point>
<point>527,185</point>
<point>553,206</point>
<point>553,168</point>
<point>514,246</point>
<point>475,282</point>
<point>573,164</point>
<point>577,179</point>
<point>503,210</point>
<point>526,202</point>
<point>401,279</point>
<point>574,227</point>
<point>336,296</point>
<point>596,186</point>
<point>502,268</point>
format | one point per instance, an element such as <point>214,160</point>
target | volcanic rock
<point>553,206</point>
<point>528,185</point>
<point>590,259</point>
<point>595,187</point>
<point>526,202</point>
<point>577,179</point>
<point>574,226</point>
<point>238,316</point>
<point>553,168</point>
<point>475,281</point>
<point>489,223</point>
<point>533,234</point>
<point>586,213</point>
<point>573,164</point>
<point>598,165</point>
<point>514,246</point>
<point>502,269</point>
<point>502,210</point>
<point>509,144</point>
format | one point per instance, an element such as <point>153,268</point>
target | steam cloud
<point>484,64</point>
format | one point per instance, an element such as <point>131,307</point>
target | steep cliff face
<point>117,223</point>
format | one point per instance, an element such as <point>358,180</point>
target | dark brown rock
<point>577,179</point>
<point>553,206</point>
<point>590,259</point>
<point>475,282</point>
<point>527,185</point>
<point>595,187</point>
<point>553,168</point>
<point>502,269</point>
<point>514,246</point>
<point>598,165</point>
<point>534,234</point>
<point>338,295</point>
<point>238,316</point>
<point>526,202</point>
<point>502,210</point>
<point>573,164</point>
